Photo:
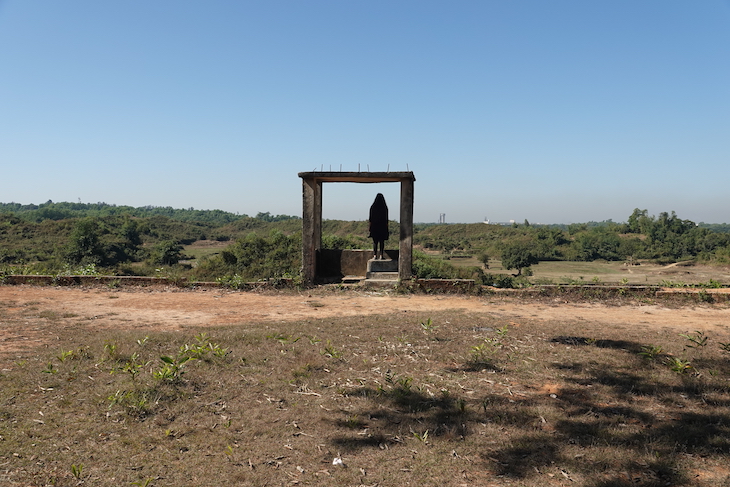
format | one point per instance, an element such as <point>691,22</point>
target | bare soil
<point>33,316</point>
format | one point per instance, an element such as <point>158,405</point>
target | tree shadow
<point>629,346</point>
<point>633,445</point>
<point>402,411</point>
<point>629,432</point>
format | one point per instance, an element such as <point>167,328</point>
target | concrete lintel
<point>358,177</point>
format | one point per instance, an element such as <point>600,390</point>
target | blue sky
<point>551,111</point>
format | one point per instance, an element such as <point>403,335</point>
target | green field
<point>604,272</point>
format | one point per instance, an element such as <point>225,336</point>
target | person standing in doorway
<point>378,225</point>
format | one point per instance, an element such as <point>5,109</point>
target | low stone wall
<point>457,286</point>
<point>131,281</point>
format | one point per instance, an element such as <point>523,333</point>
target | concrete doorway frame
<point>312,215</point>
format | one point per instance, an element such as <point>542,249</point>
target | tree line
<point>664,239</point>
<point>128,240</point>
<point>65,210</point>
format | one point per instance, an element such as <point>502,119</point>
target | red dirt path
<point>32,316</point>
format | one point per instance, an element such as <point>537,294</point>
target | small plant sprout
<point>144,483</point>
<point>422,437</point>
<point>650,352</point>
<point>132,367</point>
<point>50,369</point>
<point>330,351</point>
<point>142,341</point>
<point>63,356</point>
<point>283,339</point>
<point>428,326</point>
<point>353,421</point>
<point>479,353</point>
<point>171,368</point>
<point>111,350</point>
<point>678,365</point>
<point>202,348</point>
<point>696,340</point>
<point>502,332</point>
<point>77,470</point>
<point>725,347</point>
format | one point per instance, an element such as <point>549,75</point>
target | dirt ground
<point>32,316</point>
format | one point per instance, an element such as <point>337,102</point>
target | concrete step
<point>384,265</point>
<point>378,283</point>
<point>382,276</point>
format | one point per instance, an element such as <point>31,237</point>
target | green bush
<point>166,252</point>
<point>255,257</point>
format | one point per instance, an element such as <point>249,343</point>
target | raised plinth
<point>382,270</point>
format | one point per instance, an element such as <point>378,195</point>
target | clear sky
<point>552,111</point>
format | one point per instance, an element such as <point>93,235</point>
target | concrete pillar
<point>311,227</point>
<point>405,260</point>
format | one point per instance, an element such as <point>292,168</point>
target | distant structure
<point>442,217</point>
<point>312,183</point>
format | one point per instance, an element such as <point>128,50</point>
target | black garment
<point>379,220</point>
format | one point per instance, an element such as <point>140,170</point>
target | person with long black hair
<point>378,225</point>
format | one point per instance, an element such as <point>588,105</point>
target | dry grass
<point>401,400</point>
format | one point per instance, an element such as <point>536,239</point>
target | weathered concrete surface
<point>341,263</point>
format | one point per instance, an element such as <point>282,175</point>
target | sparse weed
<point>422,437</point>
<point>144,483</point>
<point>132,367</point>
<point>234,282</point>
<point>353,421</point>
<point>283,339</point>
<point>77,470</point>
<point>330,351</point>
<point>678,365</point>
<point>428,326</point>
<point>696,340</point>
<point>63,356</point>
<point>50,369</point>
<point>111,350</point>
<point>136,403</point>
<point>200,350</point>
<point>172,368</point>
<point>650,352</point>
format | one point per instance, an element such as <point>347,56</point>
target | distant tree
<point>130,232</point>
<point>518,256</point>
<point>84,246</point>
<point>166,252</point>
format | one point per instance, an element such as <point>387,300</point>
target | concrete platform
<point>382,270</point>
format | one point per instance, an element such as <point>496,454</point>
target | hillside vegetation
<point>54,238</point>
